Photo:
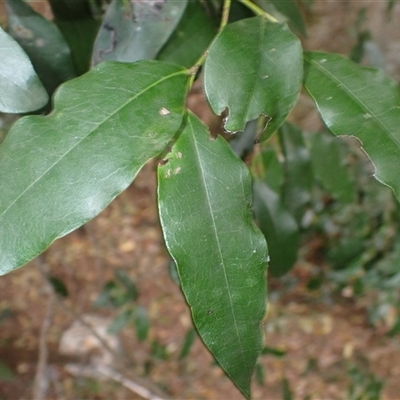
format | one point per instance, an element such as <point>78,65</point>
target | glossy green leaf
<point>204,197</point>
<point>298,170</point>
<point>264,60</point>
<point>58,172</point>
<point>43,42</point>
<point>329,167</point>
<point>291,10</point>
<point>134,31</point>
<point>191,37</point>
<point>279,227</point>
<point>20,88</point>
<point>361,102</point>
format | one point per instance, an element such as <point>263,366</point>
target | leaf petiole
<point>257,10</point>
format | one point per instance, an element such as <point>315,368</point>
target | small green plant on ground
<point>61,169</point>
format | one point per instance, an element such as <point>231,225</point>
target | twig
<point>90,328</point>
<point>41,382</point>
<point>129,384</point>
<point>98,260</point>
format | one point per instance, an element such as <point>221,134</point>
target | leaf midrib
<point>209,204</point>
<point>109,116</point>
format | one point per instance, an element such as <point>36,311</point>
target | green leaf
<point>75,20</point>
<point>142,323</point>
<point>361,102</point>
<point>267,168</point>
<point>204,197</point>
<point>329,167</point>
<point>6,374</point>
<point>70,9</point>
<point>298,170</point>
<point>291,9</point>
<point>159,351</point>
<point>264,60</point>
<point>58,172</point>
<point>80,35</point>
<point>273,351</point>
<point>110,296</point>
<point>390,5</point>
<point>58,286</point>
<point>279,227</point>
<point>188,343</point>
<point>43,42</point>
<point>127,283</point>
<point>286,391</point>
<point>115,295</point>
<point>20,88</point>
<point>191,37</point>
<point>120,321</point>
<point>134,31</point>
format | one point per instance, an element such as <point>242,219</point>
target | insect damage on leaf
<point>164,111</point>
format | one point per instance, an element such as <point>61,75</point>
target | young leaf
<point>191,37</point>
<point>361,102</point>
<point>59,171</point>
<point>264,60</point>
<point>20,88</point>
<point>43,42</point>
<point>204,197</point>
<point>329,168</point>
<point>279,227</point>
<point>134,31</point>
<point>298,170</point>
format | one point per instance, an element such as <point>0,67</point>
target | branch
<point>41,381</point>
